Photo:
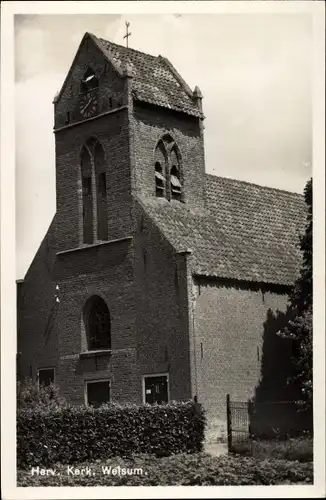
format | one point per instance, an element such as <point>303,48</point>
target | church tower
<point>129,146</point>
<point>126,125</point>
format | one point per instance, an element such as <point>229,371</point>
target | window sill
<point>93,354</point>
<point>87,246</point>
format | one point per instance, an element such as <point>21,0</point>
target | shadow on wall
<point>274,412</point>
<point>276,364</point>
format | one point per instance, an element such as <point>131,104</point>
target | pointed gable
<point>155,80</point>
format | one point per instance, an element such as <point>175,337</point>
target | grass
<point>300,449</point>
<point>197,469</point>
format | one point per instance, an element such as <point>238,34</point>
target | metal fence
<point>238,425</point>
<point>247,421</point>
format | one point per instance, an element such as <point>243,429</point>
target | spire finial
<point>127,35</point>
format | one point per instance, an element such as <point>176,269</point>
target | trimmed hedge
<point>72,434</point>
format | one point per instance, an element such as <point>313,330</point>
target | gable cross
<point>127,35</point>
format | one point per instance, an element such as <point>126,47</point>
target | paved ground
<point>216,449</point>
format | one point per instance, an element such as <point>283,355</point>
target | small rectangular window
<point>156,389</point>
<point>98,392</point>
<point>46,376</point>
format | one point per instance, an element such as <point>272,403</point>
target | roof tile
<point>248,232</point>
<point>155,80</point>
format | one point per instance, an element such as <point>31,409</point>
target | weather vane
<point>127,35</point>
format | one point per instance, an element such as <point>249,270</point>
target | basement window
<point>159,180</point>
<point>97,392</point>
<point>45,376</point>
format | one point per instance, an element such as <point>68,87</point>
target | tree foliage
<point>299,329</point>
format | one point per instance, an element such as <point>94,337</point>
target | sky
<point>254,71</point>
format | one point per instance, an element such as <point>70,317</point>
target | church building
<point>155,282</point>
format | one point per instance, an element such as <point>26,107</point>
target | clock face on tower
<point>88,104</point>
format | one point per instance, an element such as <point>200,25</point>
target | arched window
<point>94,188</point>
<point>86,175</point>
<point>89,81</point>
<point>168,179</point>
<point>97,324</point>
<point>101,194</point>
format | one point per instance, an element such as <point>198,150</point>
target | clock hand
<point>85,107</point>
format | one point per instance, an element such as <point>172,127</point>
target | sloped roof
<point>155,80</point>
<point>248,232</point>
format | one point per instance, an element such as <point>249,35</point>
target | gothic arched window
<point>168,179</point>
<point>94,192</point>
<point>87,193</point>
<point>97,324</point>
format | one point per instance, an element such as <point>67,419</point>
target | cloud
<point>254,72</point>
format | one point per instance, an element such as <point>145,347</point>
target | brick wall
<point>37,342</point>
<point>107,271</point>
<point>162,308</point>
<point>112,131</point>
<point>112,90</point>
<point>232,331</point>
<point>149,126</point>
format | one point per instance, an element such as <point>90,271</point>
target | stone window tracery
<point>167,161</point>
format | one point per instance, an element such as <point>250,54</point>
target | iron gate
<point>264,420</point>
<point>238,425</point>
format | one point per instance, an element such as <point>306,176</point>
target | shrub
<point>300,449</point>
<point>30,395</point>
<point>183,469</point>
<point>71,434</point>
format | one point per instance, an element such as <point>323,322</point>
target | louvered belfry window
<point>159,180</point>
<point>168,178</point>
